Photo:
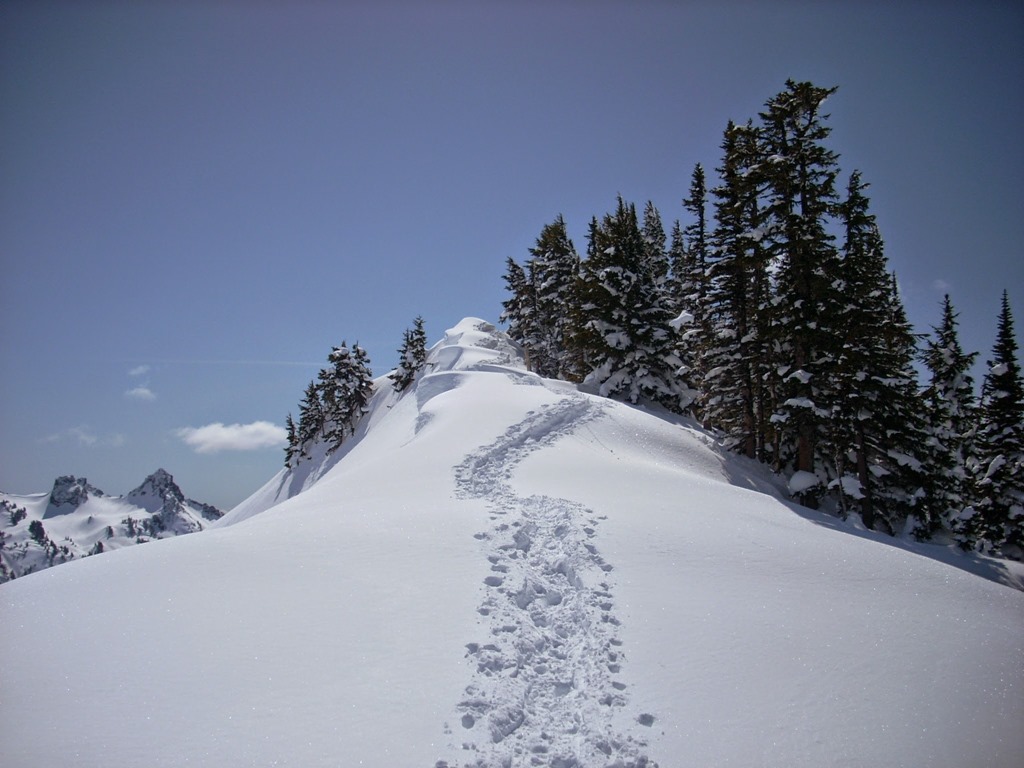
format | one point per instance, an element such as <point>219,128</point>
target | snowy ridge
<point>504,571</point>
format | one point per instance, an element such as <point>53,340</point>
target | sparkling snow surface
<point>501,570</point>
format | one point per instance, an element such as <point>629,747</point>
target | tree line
<point>777,322</point>
<point>337,399</point>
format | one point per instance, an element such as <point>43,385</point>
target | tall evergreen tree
<point>736,360</point>
<point>800,172</point>
<point>696,237</point>
<point>999,523</point>
<point>412,356</point>
<point>876,427</point>
<point>655,256</point>
<point>519,310</point>
<point>952,416</point>
<point>311,418</point>
<point>293,441</point>
<point>629,340</point>
<point>688,335</point>
<point>553,271</point>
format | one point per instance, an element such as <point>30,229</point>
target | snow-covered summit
<point>502,570</point>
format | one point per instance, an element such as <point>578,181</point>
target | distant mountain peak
<point>69,493</point>
<point>158,490</point>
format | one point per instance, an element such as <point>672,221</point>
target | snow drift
<point>501,570</point>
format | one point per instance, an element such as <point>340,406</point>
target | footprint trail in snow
<point>545,690</point>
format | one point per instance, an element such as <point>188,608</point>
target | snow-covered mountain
<point>502,570</point>
<point>76,519</point>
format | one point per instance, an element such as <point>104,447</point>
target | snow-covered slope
<point>76,519</point>
<point>503,571</point>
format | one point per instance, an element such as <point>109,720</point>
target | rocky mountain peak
<point>159,488</point>
<point>70,492</point>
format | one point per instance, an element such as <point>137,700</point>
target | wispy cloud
<point>216,437</point>
<point>83,436</point>
<point>140,393</point>
<point>202,361</point>
<point>139,370</point>
<point>940,286</point>
<point>86,437</point>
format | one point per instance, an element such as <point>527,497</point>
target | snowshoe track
<point>545,689</point>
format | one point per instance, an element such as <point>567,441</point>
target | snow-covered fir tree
<point>412,356</point>
<point>630,344</point>
<point>311,419</point>
<point>952,419</point>
<point>553,271</point>
<point>999,521</point>
<point>292,446</point>
<point>876,428</point>
<point>655,255</point>
<point>800,171</point>
<point>735,355</point>
<point>332,405</point>
<point>345,389</point>
<point>519,310</point>
<point>693,283</point>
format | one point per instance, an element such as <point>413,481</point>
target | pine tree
<point>345,389</point>
<point>655,257</point>
<point>293,441</point>
<point>952,416</point>
<point>800,172</point>
<point>629,340</point>
<point>695,235</point>
<point>999,523</point>
<point>688,337</point>
<point>519,310</point>
<point>412,356</point>
<point>735,355</point>
<point>311,418</point>
<point>553,271</point>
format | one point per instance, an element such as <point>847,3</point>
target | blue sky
<point>198,199</point>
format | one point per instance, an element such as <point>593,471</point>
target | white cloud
<point>139,370</point>
<point>233,437</point>
<point>940,286</point>
<point>141,393</point>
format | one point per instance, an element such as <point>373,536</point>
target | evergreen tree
<point>902,423</point>
<point>553,271</point>
<point>412,356</point>
<point>311,418</point>
<point>999,523</point>
<point>688,336</point>
<point>345,390</point>
<point>800,172</point>
<point>735,355</point>
<point>655,257</point>
<point>876,431</point>
<point>519,310</point>
<point>293,441</point>
<point>695,235</point>
<point>629,341</point>
<point>952,415</point>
